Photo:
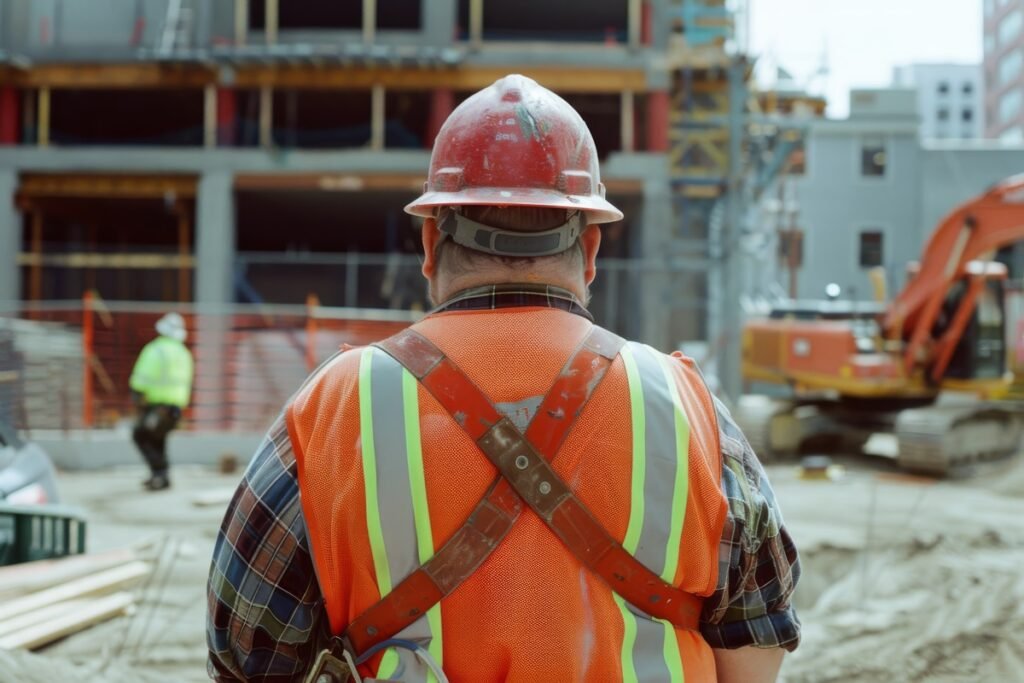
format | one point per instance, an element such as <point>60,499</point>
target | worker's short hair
<point>455,259</point>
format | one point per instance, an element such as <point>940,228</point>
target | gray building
<point>950,99</point>
<point>870,195</point>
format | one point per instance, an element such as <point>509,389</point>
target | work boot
<point>158,482</point>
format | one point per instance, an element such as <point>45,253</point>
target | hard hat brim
<point>598,209</point>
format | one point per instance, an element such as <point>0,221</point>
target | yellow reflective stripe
<point>421,508</point>
<point>373,525</point>
<point>639,469</point>
<point>628,640</point>
<point>673,658</point>
<point>680,489</point>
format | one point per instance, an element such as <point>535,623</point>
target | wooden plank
<point>107,185</point>
<point>346,76</point>
<point>38,616</point>
<point>93,584</point>
<point>108,260</point>
<point>29,577</point>
<point>114,76</point>
<point>80,618</point>
<point>578,79</point>
<point>359,182</point>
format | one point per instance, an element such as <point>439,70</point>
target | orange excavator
<point>918,379</point>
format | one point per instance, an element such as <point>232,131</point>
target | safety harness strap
<point>525,474</point>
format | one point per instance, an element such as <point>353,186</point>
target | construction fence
<point>66,365</point>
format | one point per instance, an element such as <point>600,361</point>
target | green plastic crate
<point>40,532</point>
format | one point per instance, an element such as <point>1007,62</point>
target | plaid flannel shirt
<point>266,619</point>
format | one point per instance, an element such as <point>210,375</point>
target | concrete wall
<point>837,202</point>
<point>951,174</point>
<point>10,238</point>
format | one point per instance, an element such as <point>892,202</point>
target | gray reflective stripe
<point>395,506</point>
<point>655,654</point>
<point>660,457</point>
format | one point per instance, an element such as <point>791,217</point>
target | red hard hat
<point>515,143</point>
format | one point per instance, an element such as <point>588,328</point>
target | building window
<point>943,88</point>
<point>967,115</point>
<point>1009,105</point>
<point>874,157</point>
<point>968,88</point>
<point>1009,27</point>
<point>990,43</point>
<point>871,242</point>
<point>1010,67</point>
<point>943,114</point>
<point>990,6</point>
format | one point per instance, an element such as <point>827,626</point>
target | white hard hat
<point>172,325</point>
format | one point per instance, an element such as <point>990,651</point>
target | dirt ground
<point>905,579</point>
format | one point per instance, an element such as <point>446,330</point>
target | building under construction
<point>261,151</point>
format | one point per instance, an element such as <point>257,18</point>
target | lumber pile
<point>41,602</point>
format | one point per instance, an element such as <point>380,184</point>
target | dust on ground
<point>905,580</point>
<point>908,580</point>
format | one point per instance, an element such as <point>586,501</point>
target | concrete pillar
<point>729,359</point>
<point>10,238</point>
<point>439,19</point>
<point>9,116</point>
<point>653,287</point>
<point>215,262</point>
<point>657,120</point>
<point>215,239</point>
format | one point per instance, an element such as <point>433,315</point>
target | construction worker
<point>161,384</point>
<point>504,491</point>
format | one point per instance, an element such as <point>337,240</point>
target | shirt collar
<point>493,297</point>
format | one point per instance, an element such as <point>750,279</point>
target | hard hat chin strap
<point>491,240</point>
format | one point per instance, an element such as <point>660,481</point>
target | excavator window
<point>981,352</point>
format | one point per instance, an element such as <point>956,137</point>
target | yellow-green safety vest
<point>163,373</point>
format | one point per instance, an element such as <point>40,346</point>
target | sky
<point>859,41</point>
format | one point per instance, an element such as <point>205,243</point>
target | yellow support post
<point>210,116</point>
<point>266,116</point>
<point>377,118</point>
<point>43,117</point>
<point>271,23</point>
<point>369,21</point>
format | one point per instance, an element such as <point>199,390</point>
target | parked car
<point>27,476</point>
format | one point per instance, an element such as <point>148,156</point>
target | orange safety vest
<point>386,476</point>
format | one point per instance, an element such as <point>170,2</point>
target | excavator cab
<point>980,353</point>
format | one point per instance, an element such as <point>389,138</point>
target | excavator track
<point>949,441</point>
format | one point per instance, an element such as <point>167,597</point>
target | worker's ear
<point>430,236</point>
<point>590,240</point>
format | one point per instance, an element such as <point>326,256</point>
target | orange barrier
<point>71,362</point>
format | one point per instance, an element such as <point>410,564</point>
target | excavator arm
<point>973,231</point>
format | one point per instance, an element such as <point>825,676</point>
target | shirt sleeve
<point>265,615</point>
<point>758,563</point>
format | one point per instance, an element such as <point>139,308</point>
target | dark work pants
<point>154,423</point>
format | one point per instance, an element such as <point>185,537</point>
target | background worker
<point>161,384</point>
<point>387,451</point>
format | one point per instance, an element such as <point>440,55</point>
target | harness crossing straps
<point>525,475</point>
